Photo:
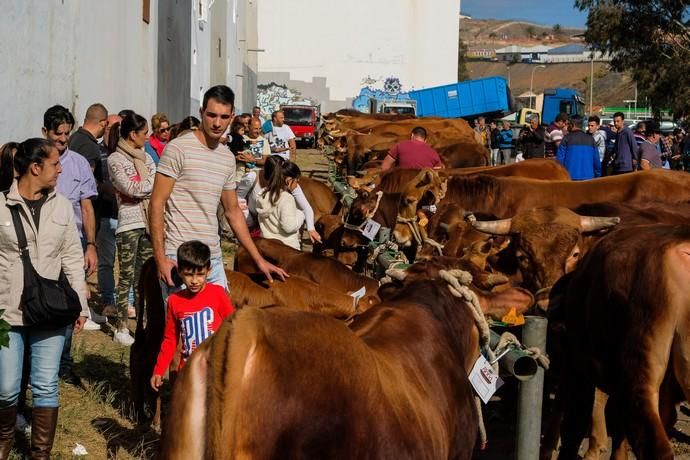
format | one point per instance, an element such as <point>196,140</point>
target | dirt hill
<point>610,88</point>
<point>491,33</point>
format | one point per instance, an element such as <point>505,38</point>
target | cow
<point>465,154</point>
<point>508,196</point>
<point>627,333</point>
<point>392,180</point>
<point>545,245</point>
<point>280,383</point>
<point>295,292</point>
<point>317,268</point>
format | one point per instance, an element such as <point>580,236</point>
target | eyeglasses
<point>163,130</point>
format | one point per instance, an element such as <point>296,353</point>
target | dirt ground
<point>97,416</point>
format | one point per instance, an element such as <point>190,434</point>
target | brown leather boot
<point>43,424</point>
<point>8,417</point>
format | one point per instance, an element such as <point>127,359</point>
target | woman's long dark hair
<point>276,170</point>
<point>7,165</point>
<point>132,122</point>
<point>33,150</point>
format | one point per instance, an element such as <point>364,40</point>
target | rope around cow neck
<point>458,284</point>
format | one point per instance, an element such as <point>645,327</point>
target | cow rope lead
<point>454,278</point>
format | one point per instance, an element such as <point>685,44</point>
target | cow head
<point>545,244</point>
<point>427,189</point>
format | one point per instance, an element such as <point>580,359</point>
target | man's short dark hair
<point>193,255</point>
<point>96,113</point>
<point>651,128</point>
<point>221,93</point>
<point>275,114</point>
<point>563,117</point>
<point>595,119</point>
<point>576,120</point>
<point>419,132</point>
<point>619,114</point>
<point>56,116</point>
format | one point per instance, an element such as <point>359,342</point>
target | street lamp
<point>531,81</point>
<point>508,69</point>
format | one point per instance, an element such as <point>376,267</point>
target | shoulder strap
<point>19,229</point>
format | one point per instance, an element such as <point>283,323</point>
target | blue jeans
<point>46,347</point>
<point>215,276</point>
<point>106,259</point>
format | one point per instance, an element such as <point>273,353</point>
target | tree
<point>531,31</point>
<point>463,73</point>
<point>557,29</point>
<point>650,39</point>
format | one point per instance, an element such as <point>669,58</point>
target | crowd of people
<point>113,193</point>
<point>577,146</point>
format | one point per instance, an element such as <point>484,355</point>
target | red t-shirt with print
<point>192,318</point>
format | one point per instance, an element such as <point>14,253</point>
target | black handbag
<point>45,303</point>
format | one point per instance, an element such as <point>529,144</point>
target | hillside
<point>491,33</point>
<point>610,88</point>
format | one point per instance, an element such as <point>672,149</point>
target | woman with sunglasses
<point>159,137</point>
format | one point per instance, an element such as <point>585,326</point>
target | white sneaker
<point>123,338</point>
<point>22,425</point>
<point>91,326</point>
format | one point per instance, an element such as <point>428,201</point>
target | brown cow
<point>294,292</point>
<point>627,328</point>
<point>508,196</point>
<point>391,385</point>
<point>314,267</point>
<point>545,245</point>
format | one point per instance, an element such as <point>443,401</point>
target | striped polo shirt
<point>201,175</point>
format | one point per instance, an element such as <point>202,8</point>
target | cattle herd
<point>305,370</point>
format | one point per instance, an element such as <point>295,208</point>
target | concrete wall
<point>348,42</point>
<point>74,53</point>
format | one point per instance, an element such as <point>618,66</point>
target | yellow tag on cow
<point>423,219</point>
<point>513,318</point>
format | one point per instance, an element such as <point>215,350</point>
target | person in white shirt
<point>281,138</point>
<point>599,135</point>
<point>277,211</point>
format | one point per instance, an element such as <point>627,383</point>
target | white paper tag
<point>357,295</point>
<point>484,379</point>
<point>371,228</point>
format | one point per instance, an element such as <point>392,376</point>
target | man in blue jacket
<point>578,152</point>
<point>625,154</point>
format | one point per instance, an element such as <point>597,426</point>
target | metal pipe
<point>515,362</point>
<point>531,394</point>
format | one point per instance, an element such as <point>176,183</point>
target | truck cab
<point>302,119</point>
<point>394,106</point>
<point>551,103</point>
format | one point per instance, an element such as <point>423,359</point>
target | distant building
<point>573,53</point>
<point>529,54</point>
<point>481,53</point>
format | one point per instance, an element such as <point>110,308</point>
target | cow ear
<point>363,193</point>
<point>425,177</point>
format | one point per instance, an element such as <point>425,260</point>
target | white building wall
<point>346,42</point>
<point>74,53</point>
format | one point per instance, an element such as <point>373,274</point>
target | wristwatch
<point>92,243</point>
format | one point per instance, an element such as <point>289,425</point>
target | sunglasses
<point>163,130</point>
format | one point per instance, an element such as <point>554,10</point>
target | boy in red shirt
<point>194,313</point>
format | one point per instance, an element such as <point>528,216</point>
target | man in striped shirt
<point>195,173</point>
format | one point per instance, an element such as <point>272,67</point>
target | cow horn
<point>592,223</point>
<point>495,227</point>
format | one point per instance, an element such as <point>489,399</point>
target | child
<point>194,313</point>
<point>276,208</point>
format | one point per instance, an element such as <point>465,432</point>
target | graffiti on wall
<point>271,96</point>
<point>378,88</point>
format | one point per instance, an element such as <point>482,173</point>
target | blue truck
<point>490,97</point>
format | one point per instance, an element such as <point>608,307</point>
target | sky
<point>547,12</point>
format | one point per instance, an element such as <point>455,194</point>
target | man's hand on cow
<point>314,236</point>
<point>90,259</point>
<point>156,382</point>
<point>267,268</point>
<point>165,267</point>
<point>79,324</point>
